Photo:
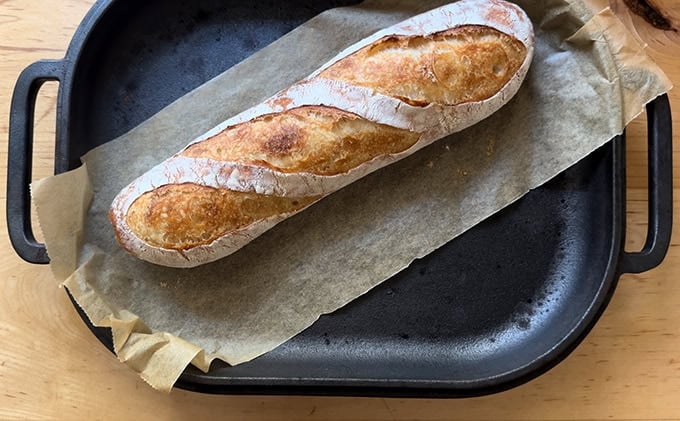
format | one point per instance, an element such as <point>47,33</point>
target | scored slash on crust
<point>431,122</point>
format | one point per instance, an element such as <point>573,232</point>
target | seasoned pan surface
<point>492,309</point>
<point>497,301</point>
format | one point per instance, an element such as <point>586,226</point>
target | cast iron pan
<point>490,310</point>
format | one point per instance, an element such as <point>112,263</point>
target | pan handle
<point>660,181</point>
<point>20,158</point>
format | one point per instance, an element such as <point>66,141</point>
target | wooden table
<point>52,367</point>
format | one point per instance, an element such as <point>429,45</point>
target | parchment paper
<point>589,78</point>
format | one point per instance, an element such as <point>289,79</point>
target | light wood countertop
<point>52,367</point>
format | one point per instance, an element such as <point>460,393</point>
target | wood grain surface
<point>52,367</point>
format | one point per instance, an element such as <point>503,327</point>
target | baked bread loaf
<point>376,102</point>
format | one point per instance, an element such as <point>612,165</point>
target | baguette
<point>377,102</point>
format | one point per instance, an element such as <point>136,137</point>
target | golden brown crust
<point>181,216</point>
<point>314,139</point>
<point>323,140</point>
<point>435,68</point>
<point>417,69</point>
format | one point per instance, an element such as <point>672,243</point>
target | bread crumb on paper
<point>490,147</point>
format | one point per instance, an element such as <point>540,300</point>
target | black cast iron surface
<point>492,309</point>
